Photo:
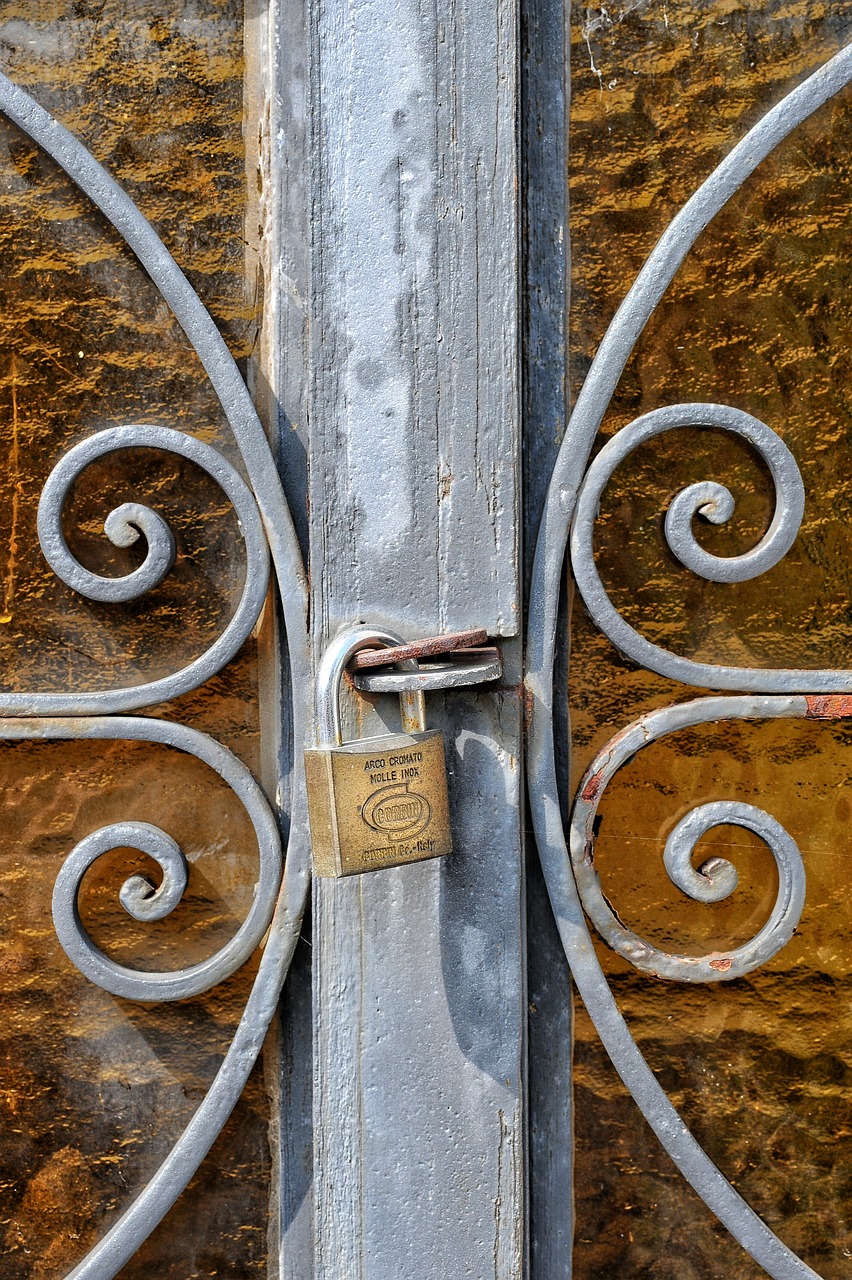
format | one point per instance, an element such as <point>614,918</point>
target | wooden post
<point>419,972</point>
<point>545,254</point>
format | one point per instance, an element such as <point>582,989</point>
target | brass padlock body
<point>378,802</point>
<point>373,802</point>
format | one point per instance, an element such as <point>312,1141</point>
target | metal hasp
<point>458,671</point>
<point>427,648</point>
<point>380,801</point>
<point>460,664</point>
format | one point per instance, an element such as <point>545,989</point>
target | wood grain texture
<point>545,48</point>
<point>419,972</point>
<point>278,233</point>
<point>415,338</point>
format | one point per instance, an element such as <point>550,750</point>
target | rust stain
<point>528,698</point>
<point>831,707</point>
<point>593,786</point>
<point>418,649</point>
<point>722,965</point>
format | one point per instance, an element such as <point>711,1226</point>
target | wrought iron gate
<point>419,974</point>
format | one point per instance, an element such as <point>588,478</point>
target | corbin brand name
<point>397,812</point>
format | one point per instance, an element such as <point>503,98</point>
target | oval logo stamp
<point>396,811</point>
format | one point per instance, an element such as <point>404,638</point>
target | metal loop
<point>334,660</point>
<point>716,504</point>
<point>716,878</point>
<point>136,896</point>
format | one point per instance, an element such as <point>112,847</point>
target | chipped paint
<point>593,786</point>
<point>829,707</point>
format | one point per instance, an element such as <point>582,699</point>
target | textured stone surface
<point>94,1090</point>
<point>758,317</point>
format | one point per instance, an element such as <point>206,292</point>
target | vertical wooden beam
<point>545,62</point>
<point>278,233</point>
<point>419,972</point>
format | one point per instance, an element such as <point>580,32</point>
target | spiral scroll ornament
<point>123,527</point>
<point>266,527</point>
<point>715,503</point>
<point>716,878</point>
<point>568,875</point>
<point>137,895</point>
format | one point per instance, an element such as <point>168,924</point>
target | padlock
<point>374,802</point>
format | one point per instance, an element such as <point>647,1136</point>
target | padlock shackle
<point>330,674</point>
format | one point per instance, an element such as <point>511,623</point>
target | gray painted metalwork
<point>123,526</point>
<point>414,414</point>
<point>136,896</point>
<point>559,510</point>
<point>132,1228</point>
<point>482,1082</point>
<point>276,102</point>
<point>419,972</point>
<point>716,878</point>
<point>545,264</point>
<point>479,1076</point>
<point>153,1203</point>
<point>713,501</point>
<point>432,675</point>
<point>716,504</point>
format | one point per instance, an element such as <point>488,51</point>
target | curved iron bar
<point>138,1221</point>
<point>208,344</point>
<point>126,522</point>
<point>136,894</point>
<point>716,504</point>
<point>716,878</point>
<point>606,369</point>
<point>122,527</point>
<point>147,1210</point>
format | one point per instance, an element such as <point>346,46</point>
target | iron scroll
<point>267,528</point>
<point>572,499</point>
<point>565,501</point>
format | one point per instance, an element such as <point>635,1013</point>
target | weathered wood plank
<point>278,233</point>
<point>419,983</point>
<point>545,51</point>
